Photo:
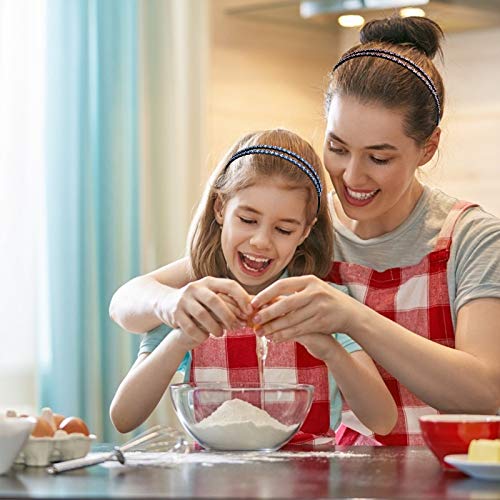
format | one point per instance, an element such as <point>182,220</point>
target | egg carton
<point>42,451</point>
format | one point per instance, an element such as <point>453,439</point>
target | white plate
<point>479,470</point>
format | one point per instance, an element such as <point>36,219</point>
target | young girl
<point>264,217</point>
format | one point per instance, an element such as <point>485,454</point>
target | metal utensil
<point>157,438</point>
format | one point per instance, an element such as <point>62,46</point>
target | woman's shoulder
<point>440,205</point>
<point>476,234</point>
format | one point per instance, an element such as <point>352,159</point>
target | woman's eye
<point>333,149</point>
<point>246,221</point>
<point>284,231</point>
<point>380,161</point>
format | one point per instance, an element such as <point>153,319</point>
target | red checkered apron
<point>417,298</point>
<point>232,360</point>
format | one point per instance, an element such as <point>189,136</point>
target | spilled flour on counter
<point>238,425</point>
<point>211,459</point>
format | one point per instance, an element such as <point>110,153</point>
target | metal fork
<point>157,438</point>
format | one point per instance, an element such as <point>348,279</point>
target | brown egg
<point>58,418</point>
<point>74,424</point>
<point>257,326</point>
<point>42,428</point>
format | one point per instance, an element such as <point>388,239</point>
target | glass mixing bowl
<point>222,417</point>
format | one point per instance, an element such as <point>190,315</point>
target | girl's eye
<point>283,231</point>
<point>380,161</point>
<point>246,221</point>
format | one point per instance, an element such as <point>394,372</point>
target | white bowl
<point>14,432</point>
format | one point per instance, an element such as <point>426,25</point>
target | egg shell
<point>58,418</point>
<point>257,326</point>
<point>42,428</point>
<point>74,425</point>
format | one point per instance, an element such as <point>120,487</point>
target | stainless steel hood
<point>452,15</point>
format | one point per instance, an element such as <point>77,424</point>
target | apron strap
<point>444,239</point>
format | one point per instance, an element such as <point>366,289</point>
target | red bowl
<point>452,434</point>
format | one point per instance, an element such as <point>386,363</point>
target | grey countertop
<point>354,472</point>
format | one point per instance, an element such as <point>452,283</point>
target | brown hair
<point>314,255</point>
<point>373,79</point>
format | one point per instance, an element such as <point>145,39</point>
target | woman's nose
<point>354,174</point>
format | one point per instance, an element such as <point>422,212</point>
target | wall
<point>469,164</point>
<point>265,75</point>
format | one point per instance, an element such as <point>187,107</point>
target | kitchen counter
<point>367,472</point>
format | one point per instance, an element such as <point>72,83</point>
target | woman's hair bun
<point>422,33</point>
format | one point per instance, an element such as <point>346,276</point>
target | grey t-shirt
<point>474,265</point>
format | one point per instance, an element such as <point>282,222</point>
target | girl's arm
<point>464,379</point>
<point>358,380</point>
<point>148,379</point>
<point>169,295</point>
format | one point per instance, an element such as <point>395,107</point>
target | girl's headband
<point>402,61</point>
<point>286,154</point>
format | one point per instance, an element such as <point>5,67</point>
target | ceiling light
<point>412,11</point>
<point>351,21</point>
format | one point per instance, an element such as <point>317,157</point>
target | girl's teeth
<point>361,196</point>
<point>254,263</point>
<point>255,259</point>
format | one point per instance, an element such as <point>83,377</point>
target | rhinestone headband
<point>402,61</point>
<point>285,154</point>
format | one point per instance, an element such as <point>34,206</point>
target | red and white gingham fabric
<point>232,360</point>
<point>417,298</point>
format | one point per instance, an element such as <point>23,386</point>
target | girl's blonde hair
<point>314,255</point>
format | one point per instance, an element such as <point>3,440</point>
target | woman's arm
<point>169,295</point>
<point>464,379</point>
<point>135,306</point>
<point>147,380</point>
<point>358,380</point>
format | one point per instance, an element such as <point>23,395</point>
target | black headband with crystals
<point>403,61</point>
<point>285,154</point>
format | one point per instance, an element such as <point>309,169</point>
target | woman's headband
<point>286,154</point>
<point>402,61</point>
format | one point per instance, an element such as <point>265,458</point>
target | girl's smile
<point>253,265</point>
<point>262,226</point>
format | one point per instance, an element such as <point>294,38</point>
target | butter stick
<point>484,450</point>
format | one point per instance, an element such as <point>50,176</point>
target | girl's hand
<point>309,306</point>
<point>200,309</point>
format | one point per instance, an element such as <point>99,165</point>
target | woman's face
<point>372,164</point>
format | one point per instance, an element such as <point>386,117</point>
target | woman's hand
<point>188,341</point>
<point>205,306</point>
<point>309,305</point>
<point>317,344</point>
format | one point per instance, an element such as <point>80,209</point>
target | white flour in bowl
<point>238,425</point>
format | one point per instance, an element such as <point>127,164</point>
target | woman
<point>423,266</point>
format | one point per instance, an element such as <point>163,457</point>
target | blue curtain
<point>92,192</point>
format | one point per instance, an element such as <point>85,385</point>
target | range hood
<point>311,8</point>
<point>452,15</point>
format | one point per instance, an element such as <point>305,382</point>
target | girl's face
<point>262,225</point>
<point>372,164</point>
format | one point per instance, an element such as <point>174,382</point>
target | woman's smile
<point>360,198</point>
